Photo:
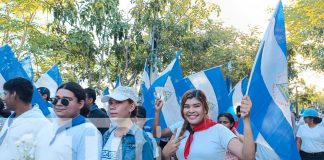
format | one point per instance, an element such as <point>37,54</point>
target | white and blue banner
<point>118,82</point>
<point>27,65</point>
<point>163,87</point>
<point>51,79</point>
<point>212,83</point>
<point>105,91</point>
<point>146,82</point>
<point>228,79</point>
<point>10,68</point>
<point>237,93</point>
<point>268,89</point>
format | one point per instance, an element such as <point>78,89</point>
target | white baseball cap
<point>121,93</point>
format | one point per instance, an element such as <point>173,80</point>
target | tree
<point>304,21</point>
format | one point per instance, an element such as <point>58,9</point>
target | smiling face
<point>193,111</point>
<point>67,111</point>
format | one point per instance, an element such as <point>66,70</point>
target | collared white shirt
<point>20,133</point>
<point>76,142</point>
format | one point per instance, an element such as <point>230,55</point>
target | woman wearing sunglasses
<point>200,138</point>
<point>70,137</point>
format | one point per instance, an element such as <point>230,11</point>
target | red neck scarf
<point>203,125</point>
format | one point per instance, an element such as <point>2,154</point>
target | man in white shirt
<point>71,136</point>
<point>20,129</point>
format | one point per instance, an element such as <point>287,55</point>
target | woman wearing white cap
<point>310,136</point>
<point>124,139</point>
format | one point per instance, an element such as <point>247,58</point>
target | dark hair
<point>238,110</point>
<point>141,112</point>
<point>75,88</point>
<point>84,111</point>
<point>317,120</point>
<point>199,95</point>
<point>23,88</point>
<point>228,116</point>
<point>90,93</point>
<point>44,90</point>
<point>4,113</point>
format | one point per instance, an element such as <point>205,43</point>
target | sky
<point>244,14</point>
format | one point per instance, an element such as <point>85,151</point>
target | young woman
<point>310,141</point>
<point>124,139</point>
<point>204,139</point>
<point>227,120</point>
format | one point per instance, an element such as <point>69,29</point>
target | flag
<point>268,89</point>
<point>228,79</point>
<point>105,91</point>
<point>51,79</point>
<point>27,65</point>
<point>146,83</point>
<point>212,83</point>
<point>10,68</point>
<point>118,82</point>
<point>163,87</point>
<point>236,94</point>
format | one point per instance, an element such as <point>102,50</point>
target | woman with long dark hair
<point>201,138</point>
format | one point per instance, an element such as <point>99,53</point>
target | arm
<point>298,141</point>
<point>157,132</point>
<point>172,146</point>
<point>247,149</point>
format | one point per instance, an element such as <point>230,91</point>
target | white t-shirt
<point>210,144</point>
<point>21,134</point>
<point>312,139</point>
<point>111,148</point>
<point>80,142</point>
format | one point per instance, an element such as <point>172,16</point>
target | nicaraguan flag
<point>51,79</point>
<point>268,89</point>
<point>163,87</point>
<point>105,91</point>
<point>10,68</point>
<point>118,82</point>
<point>228,79</point>
<point>212,83</point>
<point>238,92</point>
<point>27,65</point>
<point>146,83</point>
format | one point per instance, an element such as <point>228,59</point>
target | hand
<point>172,146</point>
<point>246,105</point>
<point>158,105</point>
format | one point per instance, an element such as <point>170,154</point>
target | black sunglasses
<point>64,101</point>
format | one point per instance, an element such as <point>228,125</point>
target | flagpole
<point>153,56</point>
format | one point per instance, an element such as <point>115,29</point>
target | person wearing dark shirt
<point>96,116</point>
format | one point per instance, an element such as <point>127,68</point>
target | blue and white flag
<point>228,79</point>
<point>118,82</point>
<point>237,93</point>
<point>51,79</point>
<point>146,82</point>
<point>212,83</point>
<point>10,68</point>
<point>268,89</point>
<point>27,65</point>
<point>163,87</point>
<point>105,91</point>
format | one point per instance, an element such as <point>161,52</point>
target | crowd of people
<point>78,129</point>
